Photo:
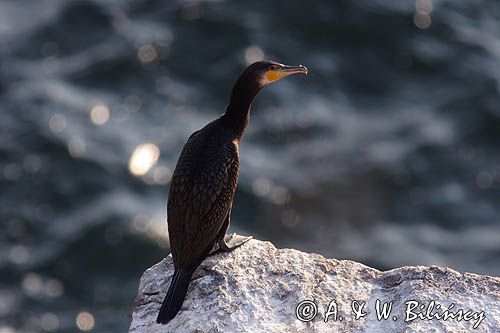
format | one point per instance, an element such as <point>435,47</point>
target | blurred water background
<point>387,153</point>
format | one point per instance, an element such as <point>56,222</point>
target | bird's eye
<point>275,67</point>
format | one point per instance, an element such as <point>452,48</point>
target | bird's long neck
<point>238,110</point>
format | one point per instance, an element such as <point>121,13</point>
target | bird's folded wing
<point>199,202</point>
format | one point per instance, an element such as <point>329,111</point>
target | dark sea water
<point>387,153</point>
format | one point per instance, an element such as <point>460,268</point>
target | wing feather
<point>201,194</point>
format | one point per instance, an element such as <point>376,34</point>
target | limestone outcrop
<point>258,288</point>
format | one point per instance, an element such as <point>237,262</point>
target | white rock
<point>257,288</point>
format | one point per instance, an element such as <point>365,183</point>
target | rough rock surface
<point>257,288</point>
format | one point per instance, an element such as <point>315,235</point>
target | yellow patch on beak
<point>274,75</point>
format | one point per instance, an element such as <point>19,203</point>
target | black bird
<point>204,182</point>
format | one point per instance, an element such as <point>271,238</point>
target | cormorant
<point>205,180</point>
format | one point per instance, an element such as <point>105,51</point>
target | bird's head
<point>255,77</point>
<point>265,72</point>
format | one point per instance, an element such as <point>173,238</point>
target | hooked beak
<point>289,70</point>
<point>285,71</point>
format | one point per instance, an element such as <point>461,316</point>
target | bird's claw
<point>231,244</point>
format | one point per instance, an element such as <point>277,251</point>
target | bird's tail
<point>175,295</point>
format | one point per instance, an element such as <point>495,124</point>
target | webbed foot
<point>233,242</point>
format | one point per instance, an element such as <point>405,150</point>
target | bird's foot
<point>233,242</point>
